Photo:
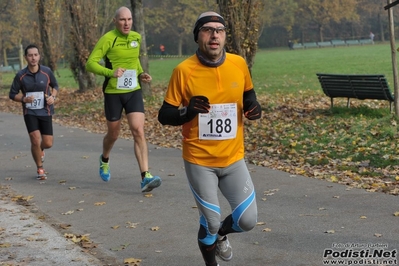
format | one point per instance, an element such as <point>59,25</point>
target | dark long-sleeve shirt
<point>41,81</point>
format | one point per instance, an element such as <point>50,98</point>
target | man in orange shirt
<point>215,91</point>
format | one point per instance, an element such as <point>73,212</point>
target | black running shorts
<point>115,103</point>
<point>42,123</point>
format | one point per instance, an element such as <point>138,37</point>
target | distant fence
<point>332,43</point>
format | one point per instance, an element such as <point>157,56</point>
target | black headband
<point>200,22</point>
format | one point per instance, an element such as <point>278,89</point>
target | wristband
<point>183,111</point>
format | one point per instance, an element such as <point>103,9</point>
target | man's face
<point>32,57</point>
<point>211,40</point>
<point>124,21</point>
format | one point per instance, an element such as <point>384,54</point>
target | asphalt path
<point>299,218</point>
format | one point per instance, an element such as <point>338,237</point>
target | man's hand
<point>252,110</point>
<point>145,77</point>
<point>198,104</point>
<point>50,99</point>
<point>119,72</point>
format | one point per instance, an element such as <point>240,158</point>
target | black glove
<point>252,110</point>
<point>198,104</point>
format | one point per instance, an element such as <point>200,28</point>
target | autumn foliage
<point>297,134</point>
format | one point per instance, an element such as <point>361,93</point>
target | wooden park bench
<point>310,45</point>
<point>297,46</point>
<point>366,41</point>
<point>324,44</point>
<point>352,42</point>
<point>336,43</point>
<point>356,86</point>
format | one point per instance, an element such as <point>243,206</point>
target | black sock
<point>208,253</point>
<point>143,174</point>
<point>105,160</point>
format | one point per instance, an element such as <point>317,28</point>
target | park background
<point>299,133</point>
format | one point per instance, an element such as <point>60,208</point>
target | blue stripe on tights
<point>239,211</point>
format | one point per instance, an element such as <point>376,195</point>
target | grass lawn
<point>298,132</point>
<point>278,70</point>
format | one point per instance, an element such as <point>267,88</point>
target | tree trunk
<point>138,25</point>
<point>5,57</point>
<point>380,24</point>
<point>44,33</point>
<point>243,24</point>
<point>180,46</point>
<point>49,24</point>
<point>321,33</point>
<point>81,36</point>
<point>393,56</point>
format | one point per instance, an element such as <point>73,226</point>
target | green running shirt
<point>117,50</point>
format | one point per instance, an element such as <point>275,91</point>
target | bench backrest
<point>324,44</point>
<point>356,86</point>
<point>348,42</point>
<point>310,45</point>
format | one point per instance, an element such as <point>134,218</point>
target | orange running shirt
<point>224,84</point>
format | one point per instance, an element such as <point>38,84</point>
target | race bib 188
<point>220,123</point>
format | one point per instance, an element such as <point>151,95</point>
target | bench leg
<point>332,102</point>
<point>348,104</point>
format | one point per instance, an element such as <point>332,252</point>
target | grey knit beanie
<point>206,17</point>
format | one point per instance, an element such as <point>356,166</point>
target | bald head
<point>123,20</point>
<point>120,10</point>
